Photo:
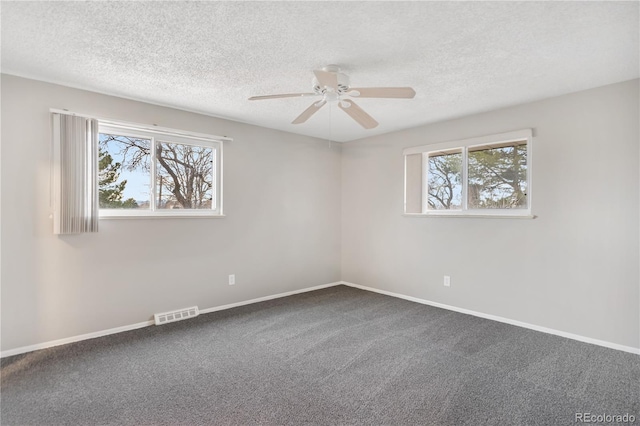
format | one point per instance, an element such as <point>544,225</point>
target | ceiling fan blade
<point>284,95</point>
<point>358,114</point>
<point>307,113</point>
<point>329,79</point>
<point>383,92</point>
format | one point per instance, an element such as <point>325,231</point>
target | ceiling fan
<point>334,87</point>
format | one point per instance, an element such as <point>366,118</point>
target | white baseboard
<point>52,343</point>
<point>115,330</point>
<point>501,319</point>
<point>265,298</point>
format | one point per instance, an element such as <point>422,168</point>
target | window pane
<point>184,177</point>
<point>498,177</point>
<point>445,181</point>
<point>124,175</point>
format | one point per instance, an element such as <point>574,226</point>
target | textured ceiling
<point>209,57</point>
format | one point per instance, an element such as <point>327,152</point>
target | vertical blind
<point>74,174</point>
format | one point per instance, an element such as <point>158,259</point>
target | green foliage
<point>498,177</point>
<point>110,191</point>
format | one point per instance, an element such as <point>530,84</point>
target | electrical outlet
<point>232,279</point>
<point>447,281</point>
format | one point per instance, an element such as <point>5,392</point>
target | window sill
<point>160,215</point>
<point>472,215</point>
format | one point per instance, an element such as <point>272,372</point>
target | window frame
<point>155,134</point>
<point>464,145</point>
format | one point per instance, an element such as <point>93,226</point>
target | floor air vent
<point>178,315</point>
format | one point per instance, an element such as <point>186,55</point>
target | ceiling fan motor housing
<point>343,85</point>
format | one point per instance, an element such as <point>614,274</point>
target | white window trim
<point>149,127</point>
<point>158,214</point>
<point>171,136</point>
<point>464,144</point>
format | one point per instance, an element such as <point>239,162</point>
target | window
<point>148,172</point>
<point>490,175</point>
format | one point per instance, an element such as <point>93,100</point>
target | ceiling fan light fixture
<point>331,96</point>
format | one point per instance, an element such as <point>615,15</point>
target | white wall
<point>575,268</point>
<point>281,233</point>
<point>289,226</point>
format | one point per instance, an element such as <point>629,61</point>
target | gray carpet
<point>330,357</point>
